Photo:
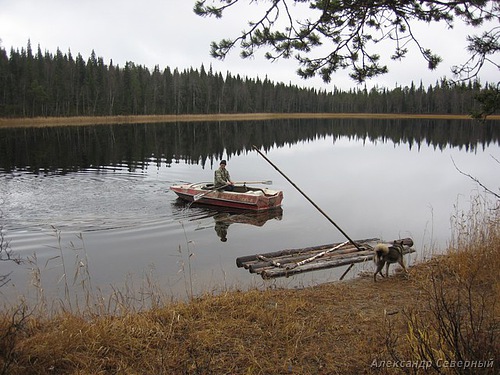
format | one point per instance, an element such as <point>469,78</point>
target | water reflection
<point>223,218</point>
<point>67,149</point>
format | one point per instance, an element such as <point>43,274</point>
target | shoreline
<point>147,119</point>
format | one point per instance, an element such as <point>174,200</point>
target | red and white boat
<point>242,197</point>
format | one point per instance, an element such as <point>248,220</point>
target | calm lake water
<point>90,207</point>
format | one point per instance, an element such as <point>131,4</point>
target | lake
<point>89,208</point>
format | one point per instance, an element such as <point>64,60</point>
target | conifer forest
<point>42,84</point>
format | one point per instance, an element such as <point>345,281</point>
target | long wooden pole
<point>309,199</point>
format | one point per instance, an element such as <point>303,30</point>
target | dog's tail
<point>380,250</point>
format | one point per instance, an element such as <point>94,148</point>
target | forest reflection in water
<point>65,149</point>
<point>109,184</point>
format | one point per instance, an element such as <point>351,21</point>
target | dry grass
<point>339,328</point>
<point>106,120</point>
<point>327,329</point>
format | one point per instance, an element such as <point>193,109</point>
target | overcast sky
<point>168,33</point>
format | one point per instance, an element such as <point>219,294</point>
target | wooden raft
<point>292,261</point>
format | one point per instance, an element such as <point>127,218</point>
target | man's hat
<point>223,162</point>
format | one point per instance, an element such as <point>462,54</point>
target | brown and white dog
<point>385,255</point>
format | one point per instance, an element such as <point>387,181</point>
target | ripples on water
<point>126,223</point>
<point>100,199</point>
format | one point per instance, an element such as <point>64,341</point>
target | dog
<point>385,255</point>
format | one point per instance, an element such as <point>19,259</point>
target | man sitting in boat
<point>222,179</point>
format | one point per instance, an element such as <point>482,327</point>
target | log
<point>241,261</point>
<point>287,252</point>
<point>292,261</point>
<point>288,261</point>
<point>281,272</point>
<point>350,255</point>
<point>321,254</point>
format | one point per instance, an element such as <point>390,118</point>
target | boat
<point>242,197</point>
<point>289,262</point>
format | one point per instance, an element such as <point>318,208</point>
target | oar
<point>268,182</point>
<point>198,196</point>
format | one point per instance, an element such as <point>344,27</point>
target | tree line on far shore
<point>44,84</point>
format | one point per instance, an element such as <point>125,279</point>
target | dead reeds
<point>456,328</point>
<point>145,119</point>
